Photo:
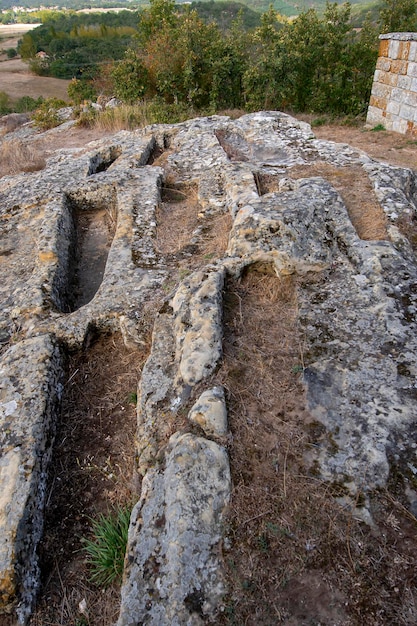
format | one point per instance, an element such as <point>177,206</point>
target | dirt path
<point>382,145</point>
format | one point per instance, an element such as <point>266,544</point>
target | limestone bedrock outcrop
<point>173,567</point>
<point>356,310</point>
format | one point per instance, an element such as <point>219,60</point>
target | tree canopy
<point>210,56</point>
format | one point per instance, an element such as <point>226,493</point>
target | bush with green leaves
<point>80,90</point>
<point>398,16</point>
<point>46,115</point>
<point>4,103</point>
<point>25,104</point>
<point>106,550</point>
<point>313,63</point>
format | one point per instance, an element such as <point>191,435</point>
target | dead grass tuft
<point>177,217</point>
<point>234,114</point>
<point>123,117</point>
<point>17,156</point>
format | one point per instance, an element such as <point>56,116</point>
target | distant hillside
<point>294,7</point>
<point>285,7</point>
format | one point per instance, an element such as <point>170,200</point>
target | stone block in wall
<point>399,66</point>
<point>374,116</point>
<point>410,99</point>
<point>393,49</point>
<point>384,48</point>
<point>397,95</point>
<point>383,64</point>
<point>404,50</point>
<point>407,112</point>
<point>381,91</point>
<point>386,78</point>
<point>412,69</point>
<point>403,82</point>
<point>393,107</point>
<point>399,126</point>
<point>412,55</point>
<point>379,103</point>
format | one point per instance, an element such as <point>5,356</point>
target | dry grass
<point>19,156</point>
<point>177,217</point>
<point>129,117</point>
<point>296,557</point>
<point>355,188</point>
<point>234,114</point>
<point>123,117</point>
<point>92,469</point>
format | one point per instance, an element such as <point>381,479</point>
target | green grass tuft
<point>106,550</point>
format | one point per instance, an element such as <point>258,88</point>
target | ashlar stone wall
<point>393,101</point>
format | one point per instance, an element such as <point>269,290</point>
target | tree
<point>27,47</point>
<point>263,79</point>
<point>130,78</point>
<point>399,16</point>
<point>80,90</point>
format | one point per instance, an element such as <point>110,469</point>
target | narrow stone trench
<point>91,473</point>
<point>263,361</point>
<point>96,233</point>
<point>276,552</point>
<point>293,554</point>
<point>93,228</point>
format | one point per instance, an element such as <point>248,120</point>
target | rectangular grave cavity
<point>92,219</point>
<point>266,407</point>
<point>234,145</point>
<point>91,473</point>
<point>185,234</point>
<point>101,161</point>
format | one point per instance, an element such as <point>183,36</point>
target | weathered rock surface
<point>28,408</point>
<point>357,316</point>
<point>173,566</point>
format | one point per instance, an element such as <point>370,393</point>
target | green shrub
<point>106,550</point>
<point>160,112</point>
<point>4,103</point>
<point>46,115</point>
<point>27,103</point>
<point>80,90</point>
